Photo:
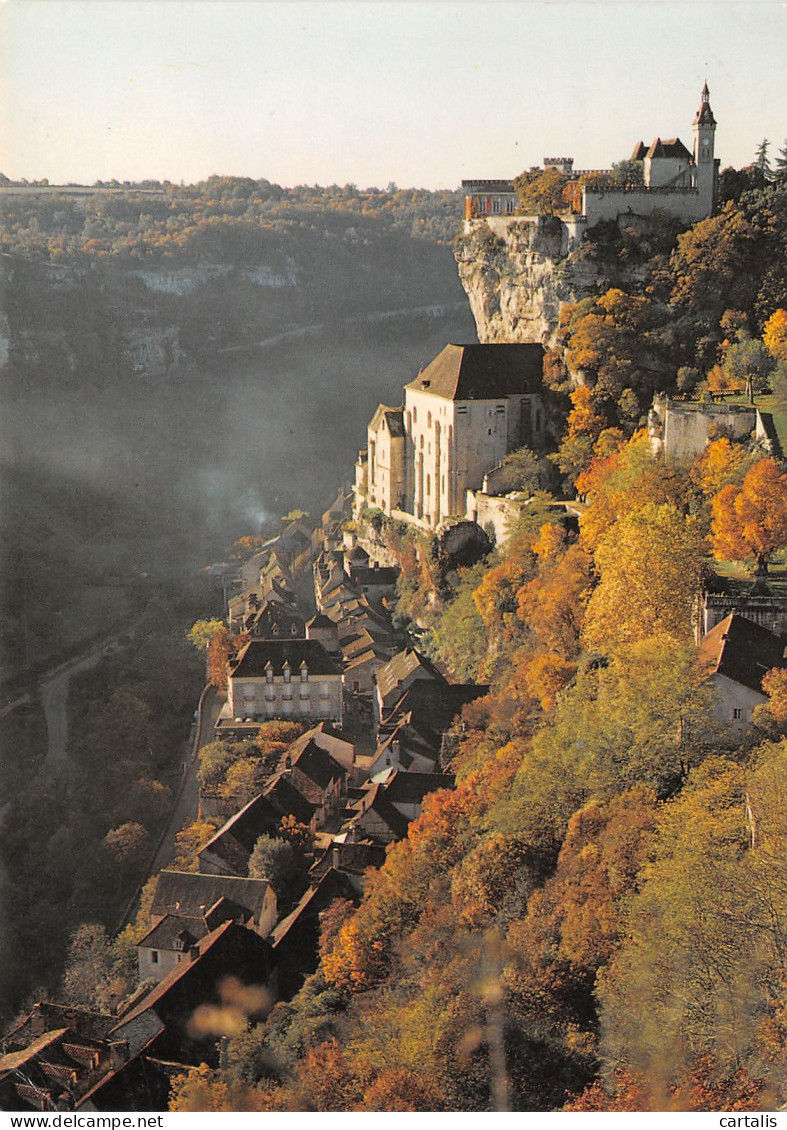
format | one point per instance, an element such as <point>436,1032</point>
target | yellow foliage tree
<point>650,566</point>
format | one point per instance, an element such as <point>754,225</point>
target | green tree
<point>762,161</point>
<point>283,866</point>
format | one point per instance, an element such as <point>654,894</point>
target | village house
<point>351,857</point>
<point>187,906</point>
<point>57,1054</point>
<point>318,777</point>
<point>229,851</point>
<point>282,678</point>
<point>397,676</point>
<point>389,802</point>
<point>228,951</point>
<point>461,415</point>
<point>296,938</point>
<point>734,656</point>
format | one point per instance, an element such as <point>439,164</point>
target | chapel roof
<point>482,372</point>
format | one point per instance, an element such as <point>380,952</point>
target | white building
<point>461,416</point>
<point>284,678</point>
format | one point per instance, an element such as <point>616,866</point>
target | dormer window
<point>287,673</point>
<point>268,672</point>
<point>304,672</point>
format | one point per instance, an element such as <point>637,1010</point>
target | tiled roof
<point>411,788</point>
<point>170,929</point>
<point>316,764</point>
<point>433,705</point>
<point>741,650</point>
<point>289,801</point>
<point>402,667</point>
<point>255,656</point>
<point>189,894</point>
<point>235,840</point>
<point>673,147</point>
<point>374,575</point>
<point>220,945</point>
<point>482,372</point>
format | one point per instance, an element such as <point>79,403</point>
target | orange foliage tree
<point>750,521</point>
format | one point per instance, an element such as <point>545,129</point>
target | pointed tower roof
<point>705,114</point>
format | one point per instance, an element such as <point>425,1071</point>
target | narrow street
<point>187,806</point>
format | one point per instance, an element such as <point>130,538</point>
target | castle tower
<point>705,163</point>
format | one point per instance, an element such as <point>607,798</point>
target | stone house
<point>278,678</point>
<point>735,655</point>
<point>187,906</point>
<point>397,676</point>
<point>318,777</point>
<point>228,951</point>
<point>229,851</point>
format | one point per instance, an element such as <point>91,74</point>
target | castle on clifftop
<point>675,181</point>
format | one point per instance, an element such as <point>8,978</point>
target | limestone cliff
<point>518,273</point>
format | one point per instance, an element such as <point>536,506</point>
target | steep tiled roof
<point>255,656</point>
<point>411,788</point>
<point>220,947</point>
<point>482,372</point>
<point>171,928</point>
<point>673,147</point>
<point>402,667</point>
<point>705,114</point>
<point>316,764</point>
<point>433,705</point>
<point>188,894</point>
<point>640,151</point>
<point>235,840</point>
<point>741,650</point>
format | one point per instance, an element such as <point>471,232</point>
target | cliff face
<point>517,274</point>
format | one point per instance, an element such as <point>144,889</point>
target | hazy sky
<point>421,92</point>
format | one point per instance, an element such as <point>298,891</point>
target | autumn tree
<point>650,566</point>
<point>750,521</point>
<point>690,979</point>
<point>542,193</point>
<point>774,335</point>
<point>719,464</point>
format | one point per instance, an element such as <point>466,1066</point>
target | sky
<point>423,93</point>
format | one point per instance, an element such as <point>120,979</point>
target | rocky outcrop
<point>517,274</point>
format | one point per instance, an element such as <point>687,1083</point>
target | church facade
<point>461,416</point>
